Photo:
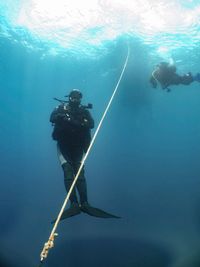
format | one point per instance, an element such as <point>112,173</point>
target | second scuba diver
<point>165,74</point>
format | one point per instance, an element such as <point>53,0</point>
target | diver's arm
<point>88,121</point>
<point>57,115</point>
<point>187,79</point>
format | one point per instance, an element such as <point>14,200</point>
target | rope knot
<point>47,246</point>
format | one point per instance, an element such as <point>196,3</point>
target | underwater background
<point>144,165</point>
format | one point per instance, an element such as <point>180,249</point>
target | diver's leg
<point>68,172</point>
<point>68,180</point>
<point>74,208</point>
<point>81,185</point>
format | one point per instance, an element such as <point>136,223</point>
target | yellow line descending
<point>50,243</point>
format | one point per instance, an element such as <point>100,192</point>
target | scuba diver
<point>72,131</point>
<point>165,74</point>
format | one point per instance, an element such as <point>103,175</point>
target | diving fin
<point>86,208</point>
<point>70,212</point>
<point>92,211</point>
<point>197,77</point>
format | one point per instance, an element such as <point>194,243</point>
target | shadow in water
<point>109,252</point>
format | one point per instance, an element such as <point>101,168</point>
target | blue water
<point>144,165</point>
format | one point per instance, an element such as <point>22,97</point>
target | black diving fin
<point>92,211</point>
<point>70,212</point>
<point>86,208</point>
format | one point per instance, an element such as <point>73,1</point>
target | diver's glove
<point>59,117</point>
<point>67,118</point>
<point>83,122</point>
<point>71,120</point>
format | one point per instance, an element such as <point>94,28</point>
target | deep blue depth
<point>144,165</point>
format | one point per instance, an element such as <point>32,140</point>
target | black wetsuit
<point>166,76</point>
<point>72,131</point>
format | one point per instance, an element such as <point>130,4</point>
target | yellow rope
<point>50,243</point>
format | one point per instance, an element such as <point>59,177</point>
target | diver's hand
<point>71,120</point>
<point>85,123</point>
<point>66,117</point>
<point>77,122</point>
<point>59,117</point>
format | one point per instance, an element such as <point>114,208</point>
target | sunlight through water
<point>73,24</point>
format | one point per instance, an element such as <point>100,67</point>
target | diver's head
<point>75,97</point>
